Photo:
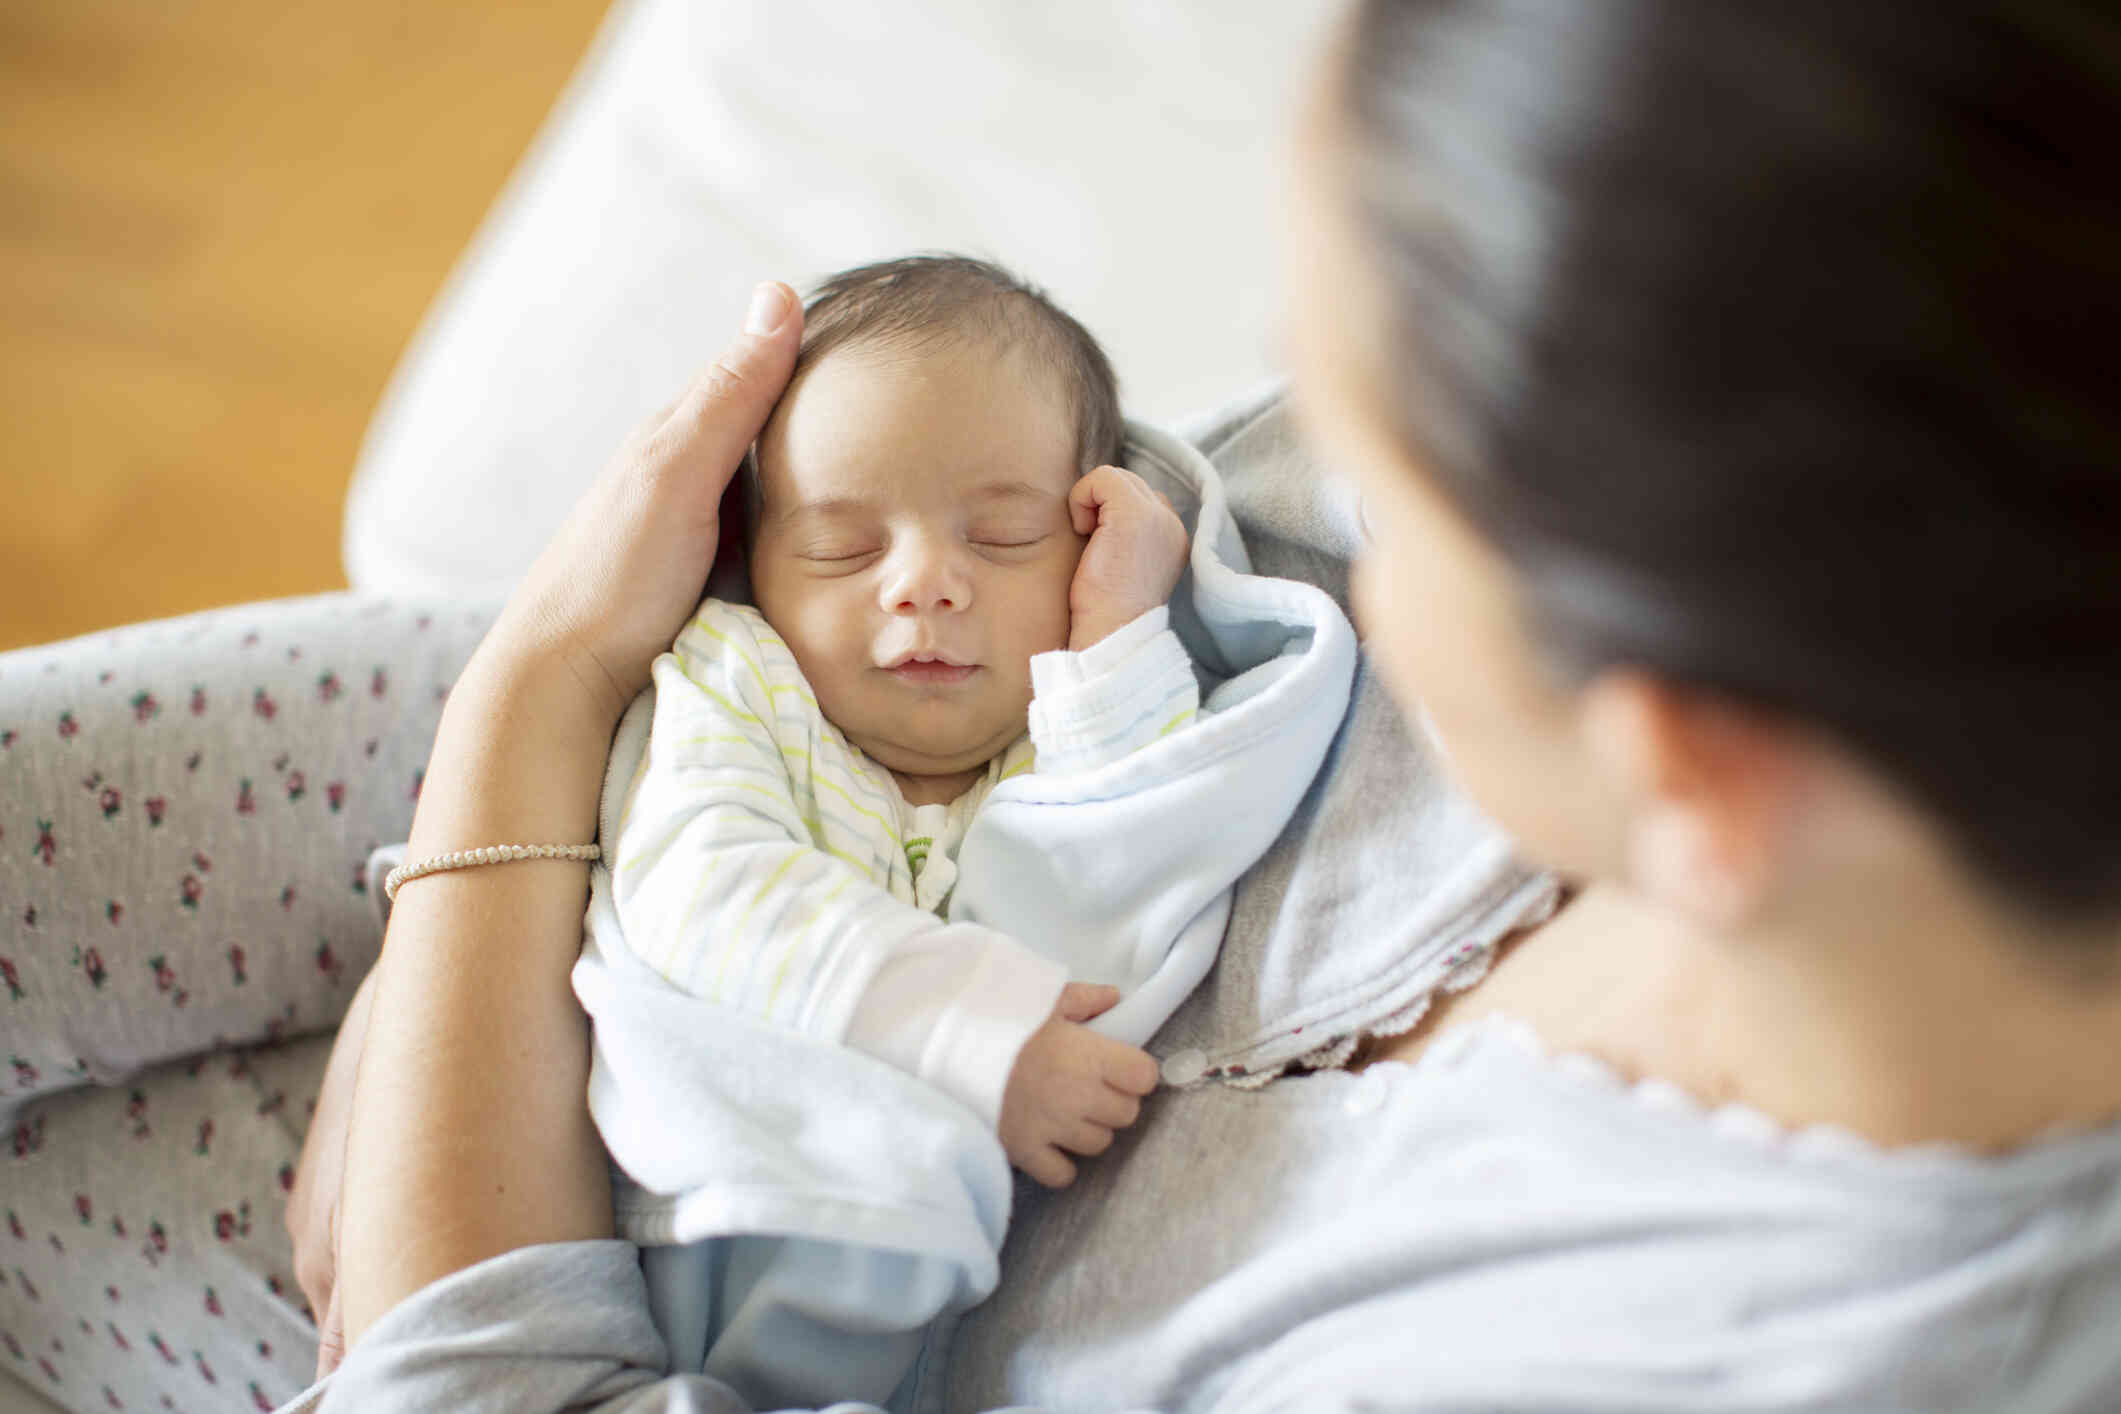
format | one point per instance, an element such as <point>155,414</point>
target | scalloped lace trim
<point>1469,968</point>
<point>1743,1123</point>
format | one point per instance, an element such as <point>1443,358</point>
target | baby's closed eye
<point>838,551</point>
<point>1014,533</point>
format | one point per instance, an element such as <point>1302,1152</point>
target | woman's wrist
<point>467,1134</point>
<point>532,657</point>
<point>519,754</point>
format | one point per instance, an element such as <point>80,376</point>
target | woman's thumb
<point>722,412</point>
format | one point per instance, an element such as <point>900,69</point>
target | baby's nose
<point>928,583</point>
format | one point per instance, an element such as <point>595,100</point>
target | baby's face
<point>914,546</point>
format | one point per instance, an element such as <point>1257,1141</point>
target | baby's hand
<point>1137,550</point>
<point>1071,1088</point>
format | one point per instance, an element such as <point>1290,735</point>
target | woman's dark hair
<point>1774,342</point>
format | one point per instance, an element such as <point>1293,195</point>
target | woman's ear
<point>1711,789</point>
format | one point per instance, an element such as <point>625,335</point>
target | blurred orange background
<point>220,222</point>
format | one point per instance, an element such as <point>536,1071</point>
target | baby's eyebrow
<point>834,507</point>
<point>827,507</point>
<point>1013,491</point>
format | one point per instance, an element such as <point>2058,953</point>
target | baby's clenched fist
<point>1071,1088</point>
<point>1136,553</point>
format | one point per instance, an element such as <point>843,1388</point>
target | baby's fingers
<point>1129,1069</point>
<point>1086,1138</point>
<point>1080,1001</point>
<point>1050,1167</point>
<point>1114,1109</point>
<point>1090,492</point>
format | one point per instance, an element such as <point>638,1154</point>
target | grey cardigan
<point>1489,1228</point>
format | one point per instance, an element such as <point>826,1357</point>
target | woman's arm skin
<point>470,1135</point>
<point>313,1202</point>
<point>469,1130</point>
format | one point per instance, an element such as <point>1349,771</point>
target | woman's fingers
<point>625,570</point>
<point>718,416</point>
<point>721,413</point>
<point>647,431</point>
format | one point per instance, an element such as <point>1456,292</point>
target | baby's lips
<point>924,655</point>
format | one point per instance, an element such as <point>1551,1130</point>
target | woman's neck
<point>1933,1025</point>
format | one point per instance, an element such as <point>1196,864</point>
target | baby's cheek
<point>1059,591</point>
<point>814,640</point>
<point>1058,619</point>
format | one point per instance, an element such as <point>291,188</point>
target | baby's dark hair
<point>920,302</point>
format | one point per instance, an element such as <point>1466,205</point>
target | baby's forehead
<point>956,407</point>
<point>885,431</point>
<point>881,358</point>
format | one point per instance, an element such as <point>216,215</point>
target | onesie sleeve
<point>751,871</point>
<point>1094,707</point>
<point>953,1007</point>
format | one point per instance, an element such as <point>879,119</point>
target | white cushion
<point>1121,154</point>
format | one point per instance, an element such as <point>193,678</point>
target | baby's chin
<point>916,753</point>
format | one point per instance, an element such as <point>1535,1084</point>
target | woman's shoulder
<point>1549,1228</point>
<point>1659,1112</point>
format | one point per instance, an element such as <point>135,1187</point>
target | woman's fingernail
<point>769,308</point>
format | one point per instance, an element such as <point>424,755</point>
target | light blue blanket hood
<point>893,1192</point>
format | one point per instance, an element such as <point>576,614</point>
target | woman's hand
<point>466,1133</point>
<point>627,567</point>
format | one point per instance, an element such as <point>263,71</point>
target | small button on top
<point>1366,1093</point>
<point>1184,1067</point>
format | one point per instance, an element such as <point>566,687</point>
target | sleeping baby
<point>916,514</point>
<point>960,598</point>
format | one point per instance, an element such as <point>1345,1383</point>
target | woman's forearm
<point>469,1132</point>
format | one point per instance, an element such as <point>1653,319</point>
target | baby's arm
<point>1067,1088</point>
<point>1125,680</point>
<point>733,891</point>
<point>1120,852</point>
<point>1093,707</point>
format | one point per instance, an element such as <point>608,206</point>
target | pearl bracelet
<point>491,854</point>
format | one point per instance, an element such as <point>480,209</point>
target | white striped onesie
<point>763,862</point>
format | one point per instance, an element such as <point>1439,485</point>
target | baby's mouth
<point>930,670</point>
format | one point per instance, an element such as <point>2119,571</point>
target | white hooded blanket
<point>806,1209</point>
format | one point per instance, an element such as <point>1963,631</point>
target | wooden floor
<point>220,221</point>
